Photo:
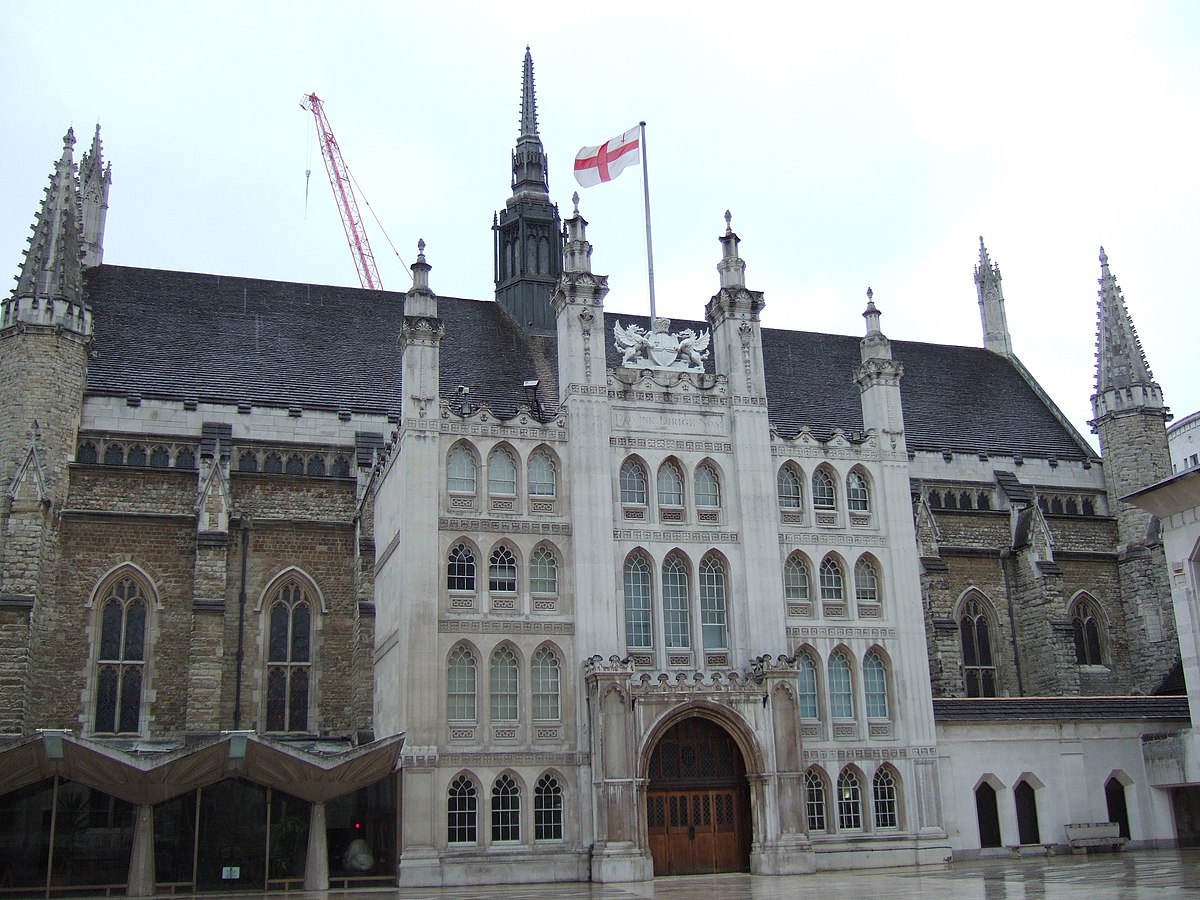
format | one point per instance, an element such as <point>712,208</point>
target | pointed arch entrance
<point>698,801</point>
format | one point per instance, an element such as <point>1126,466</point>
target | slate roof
<point>975,709</point>
<point>181,335</point>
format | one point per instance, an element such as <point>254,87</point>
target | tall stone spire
<point>50,285</point>
<point>991,304</point>
<point>528,231</point>
<point>94,181</point>
<point>1123,378</point>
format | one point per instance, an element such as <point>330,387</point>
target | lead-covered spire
<point>1123,377</point>
<point>50,285</point>
<point>528,99</point>
<point>529,180</point>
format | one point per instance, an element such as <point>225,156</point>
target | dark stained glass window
<point>120,659</point>
<point>289,658</point>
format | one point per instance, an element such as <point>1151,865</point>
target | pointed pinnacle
<point>528,98</point>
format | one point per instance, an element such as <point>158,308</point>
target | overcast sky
<point>856,144</point>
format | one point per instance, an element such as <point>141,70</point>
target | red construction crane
<point>343,195</point>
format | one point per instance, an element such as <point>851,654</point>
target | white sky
<point>856,144</point>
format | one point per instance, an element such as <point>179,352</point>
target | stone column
<point>316,866</point>
<point>141,860</point>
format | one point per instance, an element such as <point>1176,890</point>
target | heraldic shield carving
<point>660,348</point>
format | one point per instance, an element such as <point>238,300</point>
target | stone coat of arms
<point>660,348</point>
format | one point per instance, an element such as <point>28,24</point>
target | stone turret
<point>528,231</point>
<point>878,379</point>
<point>1130,419</point>
<point>95,179</point>
<point>45,332</point>
<point>991,304</point>
<point>733,312</point>
<point>578,305</point>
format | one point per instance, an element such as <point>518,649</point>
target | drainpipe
<point>1005,556</point>
<point>241,652</point>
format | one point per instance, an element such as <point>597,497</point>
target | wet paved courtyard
<point>1156,873</point>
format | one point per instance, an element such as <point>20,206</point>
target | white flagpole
<point>649,243</point>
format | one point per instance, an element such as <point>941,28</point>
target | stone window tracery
<point>460,471</point>
<point>543,476</point>
<point>247,461</point>
<point>547,682</point>
<point>160,458</point>
<point>273,464</point>
<point>502,473</point>
<point>543,572</point>
<point>502,571</point>
<point>87,453</point>
<point>633,483</point>
<point>289,659</point>
<point>866,582</point>
<point>1088,630</point>
<point>503,685</point>
<point>461,672</point>
<point>974,631</point>
<point>121,658</point>
<point>460,569</point>
<point>832,582</point>
<point>824,493</point>
<point>814,799</point>
<point>841,687</point>
<point>806,685</point>
<point>137,456</point>
<point>875,686</point>
<point>316,465</point>
<point>883,790</point>
<point>506,810</point>
<point>670,485</point>
<point>788,486</point>
<point>114,455</point>
<point>849,801</point>
<point>185,459</point>
<point>548,809</point>
<point>858,495</point>
<point>795,579</point>
<point>676,622</point>
<point>708,487</point>
<point>294,465</point>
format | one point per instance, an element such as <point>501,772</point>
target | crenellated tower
<point>991,304</point>
<point>528,231</point>
<point>1130,419</point>
<point>45,332</point>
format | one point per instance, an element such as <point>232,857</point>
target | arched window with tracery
<point>462,811</point>
<point>504,687</point>
<point>824,493</point>
<point>633,483</point>
<point>461,677</point>
<point>795,580</point>
<point>502,473</point>
<point>460,471</point>
<point>841,687</point>
<point>858,494</point>
<point>1088,630</point>
<point>670,485</point>
<point>637,602</point>
<point>875,686</point>
<point>460,569</point>
<point>502,571</point>
<point>887,807</point>
<point>866,583</point>
<point>806,685</point>
<point>814,800</point>
<point>548,809</point>
<point>708,487</point>
<point>712,603</point>
<point>974,633</point>
<point>543,476</point>
<point>543,572</point>
<point>546,676</point>
<point>676,622</point>
<point>289,658</point>
<point>506,810</point>
<point>849,801</point>
<point>788,485</point>
<point>832,581</point>
<point>121,658</point>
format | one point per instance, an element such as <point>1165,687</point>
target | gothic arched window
<point>462,812</point>
<point>502,571</point>
<point>708,487</point>
<point>883,790</point>
<point>866,582</point>
<point>545,674</point>
<point>676,623</point>
<point>289,659</point>
<point>974,632</point>
<point>788,485</point>
<point>875,686</point>
<point>858,495</point>
<point>542,475</point>
<point>712,603</point>
<point>548,809</point>
<point>1089,644</point>
<point>633,483</point>
<point>506,810</point>
<point>543,572</point>
<point>824,494</point>
<point>841,687</point>
<point>814,799</point>
<point>121,658</point>
<point>637,602</point>
<point>831,580</point>
<point>849,801</point>
<point>460,569</point>
<point>503,685</point>
<point>460,471</point>
<point>460,685</point>
<point>806,684</point>
<point>502,473</point>
<point>795,579</point>
<point>670,485</point>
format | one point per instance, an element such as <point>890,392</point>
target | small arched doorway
<point>698,801</point>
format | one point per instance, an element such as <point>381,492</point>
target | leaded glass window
<point>460,569</point>
<point>1089,648</point>
<point>974,632</point>
<point>289,659</point>
<point>712,602</point>
<point>676,624</point>
<point>502,571</point>
<point>637,602</point>
<point>121,659</point>
<point>503,685</point>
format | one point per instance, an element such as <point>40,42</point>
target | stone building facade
<point>637,597</point>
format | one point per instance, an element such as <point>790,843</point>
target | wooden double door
<point>698,802</point>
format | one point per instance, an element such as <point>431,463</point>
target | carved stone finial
<point>575,201</point>
<point>728,222</point>
<point>421,249</point>
<point>870,295</point>
<point>1103,258</point>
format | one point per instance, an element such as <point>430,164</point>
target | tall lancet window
<point>289,659</point>
<point>121,659</point>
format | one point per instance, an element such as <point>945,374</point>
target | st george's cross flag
<point>594,165</point>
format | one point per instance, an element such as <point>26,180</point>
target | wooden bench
<point>1083,835</point>
<point>1015,849</point>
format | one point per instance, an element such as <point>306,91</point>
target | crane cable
<point>386,236</point>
